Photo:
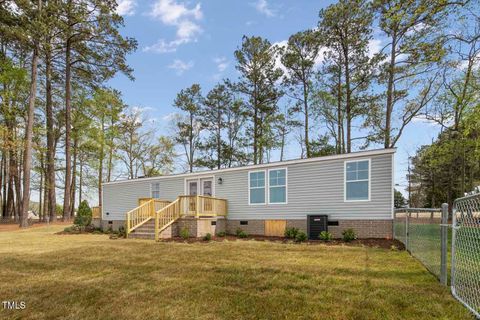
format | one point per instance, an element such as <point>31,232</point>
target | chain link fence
<point>422,231</point>
<point>465,273</point>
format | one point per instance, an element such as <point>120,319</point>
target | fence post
<point>444,241</point>
<point>407,236</point>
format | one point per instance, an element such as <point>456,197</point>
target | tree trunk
<point>80,181</point>
<point>390,92</point>
<point>50,176</point>
<point>339,113</point>
<point>190,138</point>
<point>348,104</point>
<point>100,163</point>
<point>306,113</point>
<point>74,176</point>
<point>40,198</point>
<point>219,139</point>
<point>66,197</point>
<point>27,160</point>
<point>4,185</point>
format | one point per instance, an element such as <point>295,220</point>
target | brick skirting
<point>363,228</point>
<point>199,227</point>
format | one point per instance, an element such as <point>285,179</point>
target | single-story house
<point>331,193</point>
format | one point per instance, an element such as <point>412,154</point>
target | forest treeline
<point>357,80</point>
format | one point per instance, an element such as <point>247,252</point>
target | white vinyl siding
<point>357,180</point>
<point>314,186</point>
<point>256,187</point>
<point>277,186</point>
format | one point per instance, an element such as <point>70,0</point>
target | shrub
<point>207,237</point>
<point>122,232</point>
<point>221,234</point>
<point>349,235</point>
<point>84,215</point>
<point>301,236</point>
<point>238,231</point>
<point>242,234</point>
<point>68,229</point>
<point>291,233</point>
<point>325,236</point>
<point>185,233</point>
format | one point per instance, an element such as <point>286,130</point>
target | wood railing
<point>202,206</point>
<point>96,212</point>
<point>166,216</point>
<point>165,212</point>
<point>140,215</point>
<point>144,212</point>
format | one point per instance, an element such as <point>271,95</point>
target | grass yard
<point>92,277</point>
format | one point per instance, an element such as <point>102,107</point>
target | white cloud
<point>423,119</point>
<point>169,117</point>
<point>180,66</point>
<point>222,63</point>
<point>163,46</point>
<point>374,47</point>
<point>278,59</point>
<point>178,15</point>
<point>263,7</point>
<point>126,7</point>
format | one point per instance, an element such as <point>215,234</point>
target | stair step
<point>142,235</point>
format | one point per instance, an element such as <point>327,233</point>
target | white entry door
<point>207,187</point>
<point>192,187</point>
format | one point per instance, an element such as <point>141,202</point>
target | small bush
<point>301,236</point>
<point>291,233</point>
<point>68,229</point>
<point>221,234</point>
<point>84,215</point>
<point>185,233</point>
<point>207,237</point>
<point>122,232</point>
<point>349,235</point>
<point>325,236</point>
<point>242,234</point>
<point>238,231</point>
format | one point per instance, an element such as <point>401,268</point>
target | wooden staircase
<point>152,216</point>
<point>145,231</point>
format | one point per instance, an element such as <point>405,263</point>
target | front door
<point>192,188</point>
<point>207,187</point>
<point>207,190</point>
<point>192,191</point>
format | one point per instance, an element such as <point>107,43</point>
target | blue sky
<point>186,42</point>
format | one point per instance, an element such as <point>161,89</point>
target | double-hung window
<point>268,185</point>
<point>277,186</point>
<point>155,190</point>
<point>357,180</point>
<point>256,187</point>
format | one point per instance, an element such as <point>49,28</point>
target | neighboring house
<point>335,192</point>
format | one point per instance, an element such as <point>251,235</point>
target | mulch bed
<point>371,242</point>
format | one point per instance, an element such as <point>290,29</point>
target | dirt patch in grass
<point>371,242</point>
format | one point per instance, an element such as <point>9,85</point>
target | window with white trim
<point>257,187</point>
<point>357,182</point>
<point>155,190</point>
<point>277,186</point>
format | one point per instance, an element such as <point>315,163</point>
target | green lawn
<point>92,277</point>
